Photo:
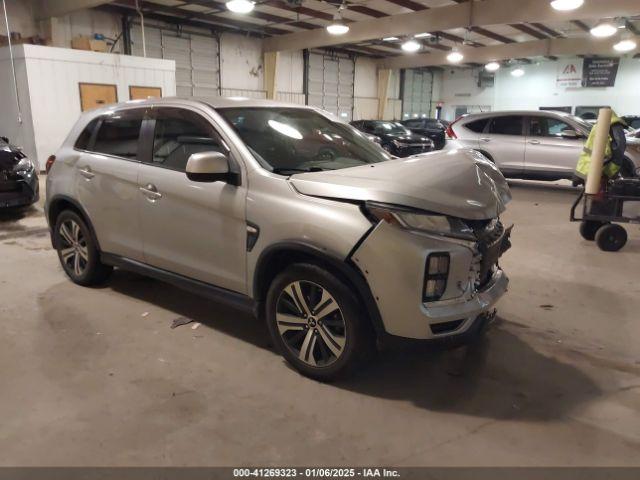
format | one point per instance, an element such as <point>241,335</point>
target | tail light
<point>450,132</point>
<point>435,277</point>
<point>49,164</point>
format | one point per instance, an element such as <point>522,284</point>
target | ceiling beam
<point>494,36</point>
<point>529,31</point>
<point>493,12</point>
<point>43,9</point>
<point>536,48</point>
<point>547,30</point>
<point>581,25</point>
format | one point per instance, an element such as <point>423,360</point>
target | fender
<point>344,267</point>
<point>57,198</point>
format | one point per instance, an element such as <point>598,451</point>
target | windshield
<point>290,140</point>
<point>390,127</point>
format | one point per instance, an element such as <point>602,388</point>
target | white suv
<point>537,145</point>
<point>285,211</point>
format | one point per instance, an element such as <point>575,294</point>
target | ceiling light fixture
<point>411,46</point>
<point>337,26</point>
<point>518,72</point>
<point>240,6</point>
<point>566,5</point>
<point>492,67</point>
<point>625,45</point>
<point>455,56</point>
<point>604,30</point>
<point>390,39</point>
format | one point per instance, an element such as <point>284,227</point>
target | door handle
<point>534,142</point>
<point>485,139</point>
<point>87,173</point>
<point>151,192</point>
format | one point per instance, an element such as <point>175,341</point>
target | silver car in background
<point>537,145</point>
<point>287,212</point>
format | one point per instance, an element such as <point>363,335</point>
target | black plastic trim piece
<point>218,294</point>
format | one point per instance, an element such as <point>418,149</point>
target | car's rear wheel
<point>316,323</point>
<point>79,257</point>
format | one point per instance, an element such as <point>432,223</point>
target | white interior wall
<point>48,117</point>
<point>242,71</point>
<point>537,88</point>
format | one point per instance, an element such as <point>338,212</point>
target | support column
<point>270,74</point>
<point>384,76</point>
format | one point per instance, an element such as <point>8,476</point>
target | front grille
<point>9,186</point>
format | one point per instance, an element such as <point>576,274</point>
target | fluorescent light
<point>625,45</point>
<point>411,46</point>
<point>492,66</point>
<point>566,5</point>
<point>337,27</point>
<point>455,56</point>
<point>240,6</point>
<point>390,39</point>
<point>285,129</point>
<point>518,72</point>
<point>604,30</point>
<point>422,35</point>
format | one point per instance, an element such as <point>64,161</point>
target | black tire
<point>588,229</point>
<point>611,238</point>
<point>628,169</point>
<point>78,246</point>
<point>346,327</point>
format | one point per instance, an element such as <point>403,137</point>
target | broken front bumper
<point>393,261</point>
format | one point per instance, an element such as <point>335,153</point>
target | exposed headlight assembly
<point>24,166</point>
<point>419,221</point>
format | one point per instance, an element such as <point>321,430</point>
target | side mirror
<point>208,167</point>
<point>568,133</point>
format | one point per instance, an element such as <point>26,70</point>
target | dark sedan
<point>18,177</point>
<point>429,127</point>
<point>395,138</point>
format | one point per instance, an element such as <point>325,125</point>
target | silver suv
<point>537,145</point>
<point>285,211</point>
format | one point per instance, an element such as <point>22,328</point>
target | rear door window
<point>180,133</point>
<point>507,125</point>
<point>119,133</point>
<point>477,126</point>
<point>84,140</point>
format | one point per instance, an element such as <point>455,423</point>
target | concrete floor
<point>97,377</point>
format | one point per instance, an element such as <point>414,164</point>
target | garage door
<point>330,83</point>
<point>417,92</point>
<point>196,57</point>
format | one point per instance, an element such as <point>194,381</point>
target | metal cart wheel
<point>611,238</point>
<point>589,228</point>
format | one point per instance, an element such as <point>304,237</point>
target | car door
<point>503,139</point>
<point>548,149</point>
<point>107,181</point>
<point>195,229</point>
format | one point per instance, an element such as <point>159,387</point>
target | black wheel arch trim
<point>343,266</point>
<point>57,198</point>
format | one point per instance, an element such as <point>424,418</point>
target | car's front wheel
<point>77,251</point>
<point>316,323</point>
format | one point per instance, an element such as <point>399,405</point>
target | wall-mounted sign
<point>600,72</point>
<point>569,73</point>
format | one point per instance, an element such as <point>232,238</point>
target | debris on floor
<point>178,322</point>
<point>547,307</point>
<point>144,314</point>
<point>195,325</point>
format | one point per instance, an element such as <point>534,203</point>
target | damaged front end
<point>18,178</point>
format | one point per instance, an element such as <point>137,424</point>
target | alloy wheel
<point>311,323</point>
<point>73,249</point>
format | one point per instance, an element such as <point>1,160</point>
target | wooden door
<point>141,93</point>
<point>94,95</point>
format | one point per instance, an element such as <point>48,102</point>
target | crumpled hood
<point>459,183</point>
<point>9,156</point>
